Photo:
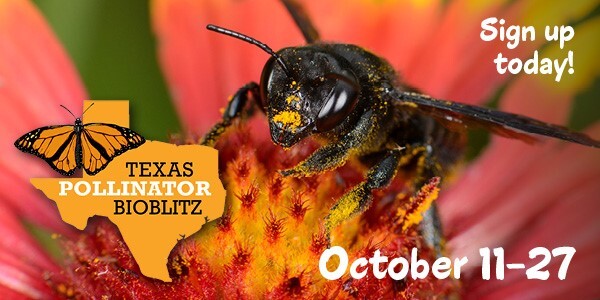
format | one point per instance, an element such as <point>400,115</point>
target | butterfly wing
<point>502,123</point>
<point>55,144</point>
<point>101,142</point>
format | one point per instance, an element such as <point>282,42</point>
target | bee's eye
<point>340,102</point>
<point>265,82</point>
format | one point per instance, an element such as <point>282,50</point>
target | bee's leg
<point>311,35</point>
<point>234,110</point>
<point>334,154</point>
<point>359,198</point>
<point>326,158</point>
<point>426,168</point>
<point>432,230</point>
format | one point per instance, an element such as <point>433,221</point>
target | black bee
<point>352,99</point>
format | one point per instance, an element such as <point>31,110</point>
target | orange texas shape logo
<point>68,147</point>
<point>154,194</point>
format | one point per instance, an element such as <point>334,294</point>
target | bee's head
<point>304,90</point>
<point>312,92</point>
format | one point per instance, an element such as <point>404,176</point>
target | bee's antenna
<point>252,41</point>
<point>88,108</point>
<point>68,111</point>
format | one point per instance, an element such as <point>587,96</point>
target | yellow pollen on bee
<point>417,216</point>
<point>288,118</point>
<point>345,208</point>
<point>292,98</point>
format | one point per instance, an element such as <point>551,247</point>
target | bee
<point>352,99</point>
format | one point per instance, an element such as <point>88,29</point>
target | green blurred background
<point>113,47</point>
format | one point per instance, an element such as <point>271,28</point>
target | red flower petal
<point>35,78</point>
<point>22,261</point>
<point>570,222</point>
<point>551,179</point>
<point>503,164</point>
<point>539,195</point>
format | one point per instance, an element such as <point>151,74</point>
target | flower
<point>514,195</point>
<point>267,245</point>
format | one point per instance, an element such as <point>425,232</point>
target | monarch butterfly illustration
<point>68,147</point>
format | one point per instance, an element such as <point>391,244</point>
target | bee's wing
<point>499,122</point>
<point>311,35</point>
